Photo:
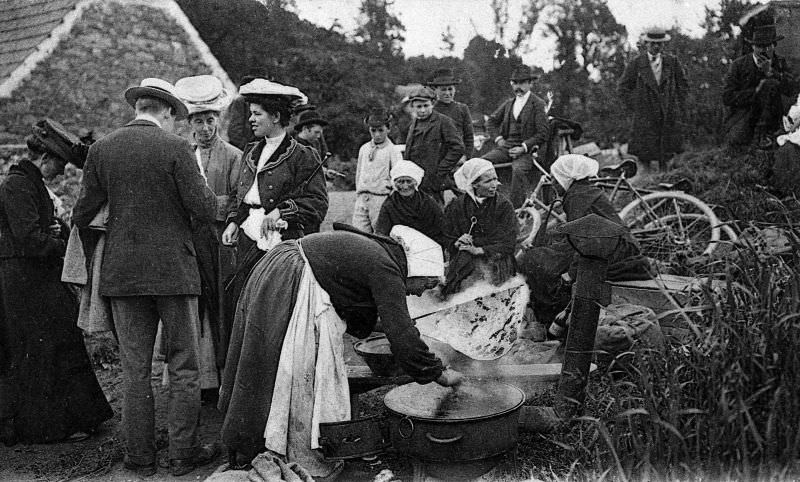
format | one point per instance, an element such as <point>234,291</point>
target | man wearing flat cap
<point>433,143</point>
<point>444,84</point>
<point>519,128</point>
<point>154,190</point>
<point>653,88</point>
<point>753,88</point>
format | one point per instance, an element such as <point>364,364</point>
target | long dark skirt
<point>47,385</point>
<point>261,319</point>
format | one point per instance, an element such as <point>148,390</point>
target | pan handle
<point>443,441</point>
<point>410,431</point>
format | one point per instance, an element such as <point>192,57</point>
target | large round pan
<point>476,421</point>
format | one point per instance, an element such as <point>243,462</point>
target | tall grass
<point>725,402</point>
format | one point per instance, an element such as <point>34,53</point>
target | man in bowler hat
<point>752,93</point>
<point>519,128</point>
<point>444,84</point>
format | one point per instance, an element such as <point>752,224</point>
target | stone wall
<point>112,47</point>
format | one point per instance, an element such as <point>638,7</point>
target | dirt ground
<point>100,457</point>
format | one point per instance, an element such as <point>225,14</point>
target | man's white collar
<point>148,117</point>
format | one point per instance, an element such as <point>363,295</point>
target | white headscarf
<point>407,169</point>
<point>469,172</point>
<point>791,124</point>
<point>573,167</point>
<point>423,255</point>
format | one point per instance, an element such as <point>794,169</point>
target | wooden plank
<point>42,31</point>
<point>51,18</point>
<point>22,45</point>
<point>31,12</point>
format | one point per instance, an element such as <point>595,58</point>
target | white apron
<point>311,383</point>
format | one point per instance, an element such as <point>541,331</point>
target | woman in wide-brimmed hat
<point>281,193</point>
<point>220,163</point>
<point>48,390</point>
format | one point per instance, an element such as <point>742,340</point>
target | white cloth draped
<point>312,377</point>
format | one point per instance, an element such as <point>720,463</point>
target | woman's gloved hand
<point>450,378</point>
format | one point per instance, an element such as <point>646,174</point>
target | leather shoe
<point>204,456</point>
<point>140,470</point>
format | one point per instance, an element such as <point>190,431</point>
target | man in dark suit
<point>154,190</point>
<point>519,129</point>
<point>653,88</point>
<point>753,88</point>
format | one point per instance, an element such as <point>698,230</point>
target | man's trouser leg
<point>366,210</point>
<point>136,319</point>
<point>374,204</point>
<point>523,177</point>
<point>181,325</point>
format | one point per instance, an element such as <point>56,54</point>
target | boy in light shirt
<point>373,181</point>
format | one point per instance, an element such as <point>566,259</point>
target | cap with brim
<point>58,141</point>
<point>160,89</point>
<point>422,93</point>
<point>202,93</point>
<point>260,88</point>
<point>300,108</point>
<point>764,35</point>
<point>656,35</point>
<point>444,77</point>
<point>523,73</point>
<point>309,117</point>
<point>378,119</point>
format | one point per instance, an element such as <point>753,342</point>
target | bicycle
<point>666,223</point>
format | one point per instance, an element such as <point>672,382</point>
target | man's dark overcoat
<point>739,96</point>
<point>154,189</point>
<point>436,146</point>
<point>656,107</point>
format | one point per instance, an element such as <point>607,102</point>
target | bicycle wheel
<point>672,224</point>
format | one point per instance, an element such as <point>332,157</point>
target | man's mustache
<point>518,91</point>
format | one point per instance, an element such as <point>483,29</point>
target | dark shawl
<point>419,211</point>
<point>495,231</point>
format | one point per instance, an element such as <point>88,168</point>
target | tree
<point>589,46</point>
<point>448,41</point>
<point>490,66</point>
<point>524,30</point>
<point>380,31</point>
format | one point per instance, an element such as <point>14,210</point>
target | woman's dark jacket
<point>26,233</point>
<point>47,386</point>
<point>292,181</point>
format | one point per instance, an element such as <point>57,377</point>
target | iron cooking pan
<point>474,422</point>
